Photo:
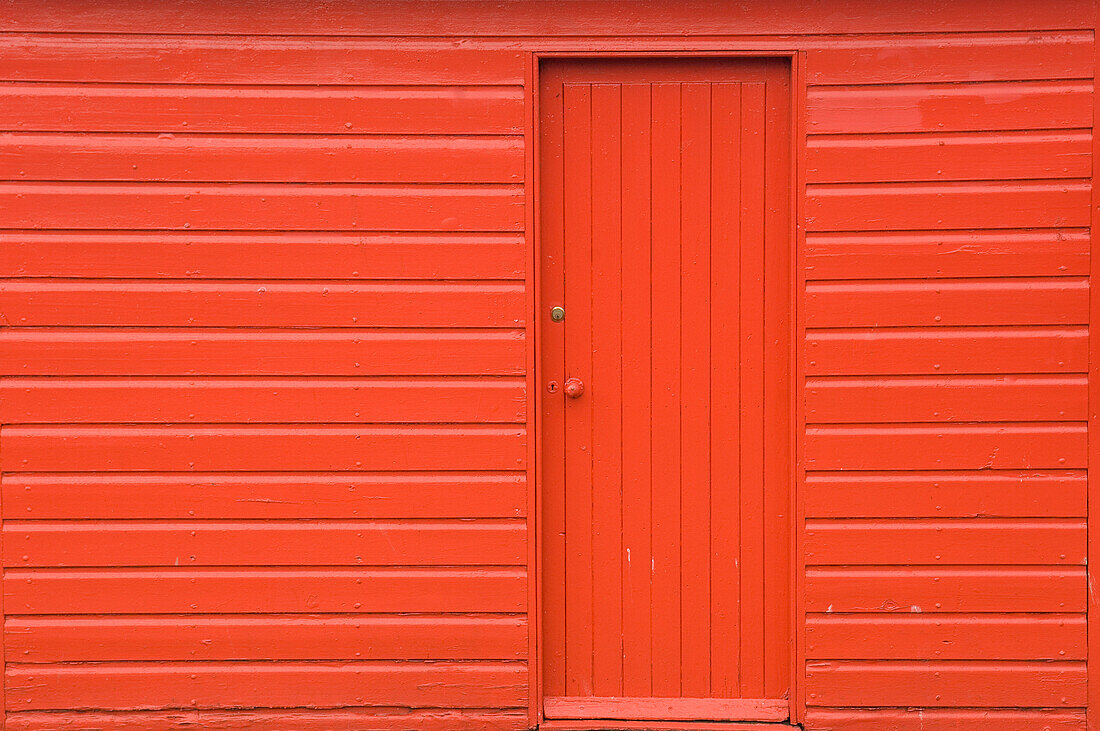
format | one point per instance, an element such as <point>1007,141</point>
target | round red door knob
<point>573,387</point>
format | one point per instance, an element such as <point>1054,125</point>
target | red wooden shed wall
<point>264,346</point>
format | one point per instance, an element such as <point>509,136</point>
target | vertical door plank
<point>553,416</point>
<point>637,359</point>
<point>695,390</point>
<point>666,390</point>
<point>578,416</point>
<point>778,456</point>
<point>725,509</point>
<point>752,391</point>
<point>605,389</point>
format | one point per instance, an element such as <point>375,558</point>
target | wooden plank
<point>261,448</point>
<point>945,719</point>
<point>285,719</point>
<point>261,206</point>
<point>946,589</point>
<point>1035,445</point>
<point>70,303</point>
<point>637,364</point>
<point>259,110</point>
<point>930,58</point>
<point>947,350</point>
<point>668,709</point>
<point>263,255</point>
<point>263,590</point>
<point>578,487</point>
<point>945,637</point>
<point>296,400</point>
<point>263,496</point>
<point>264,637</point>
<point>780,410</point>
<point>102,352</point>
<point>752,482</point>
<point>695,395</point>
<point>1002,493</point>
<point>1024,684</point>
<point>258,685</point>
<point>450,19</point>
<point>264,543</point>
<point>945,302</point>
<point>607,394</point>
<point>290,719</point>
<point>896,255</point>
<point>666,329</point>
<point>257,60</point>
<point>948,205</point>
<point>725,390</point>
<point>266,159</point>
<point>36,303</point>
<point>955,541</point>
<point>845,400</point>
<point>1000,105</point>
<point>952,156</point>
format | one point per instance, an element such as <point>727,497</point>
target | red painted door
<point>665,204</point>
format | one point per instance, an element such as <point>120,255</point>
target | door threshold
<point>586,708</point>
<point>610,725</point>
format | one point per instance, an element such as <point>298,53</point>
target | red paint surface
<point>274,454</point>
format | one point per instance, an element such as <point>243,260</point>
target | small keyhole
<point>557,314</point>
<point>552,387</point>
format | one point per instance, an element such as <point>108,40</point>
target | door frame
<point>626,47</point>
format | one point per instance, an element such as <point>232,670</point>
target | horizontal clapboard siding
<point>218,60</point>
<point>263,400</point>
<point>470,21</point>
<point>955,494</point>
<point>943,719</point>
<point>167,255</point>
<point>1000,105</point>
<point>289,543</point>
<point>273,637</point>
<point>956,205</point>
<point>164,352</point>
<point>962,684</point>
<point>35,303</point>
<point>994,589</point>
<point>858,256</point>
<point>845,399</point>
<point>910,302</point>
<point>891,158</point>
<point>263,590</point>
<point>258,495</point>
<point>983,541</point>
<point>278,286</point>
<point>919,351</point>
<point>280,719</point>
<point>257,685</point>
<point>945,637</point>
<point>87,107</point>
<point>946,306</point>
<point>264,351</point>
<point>947,446</point>
<point>265,207</point>
<point>927,58</point>
<point>260,448</point>
<point>270,159</point>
